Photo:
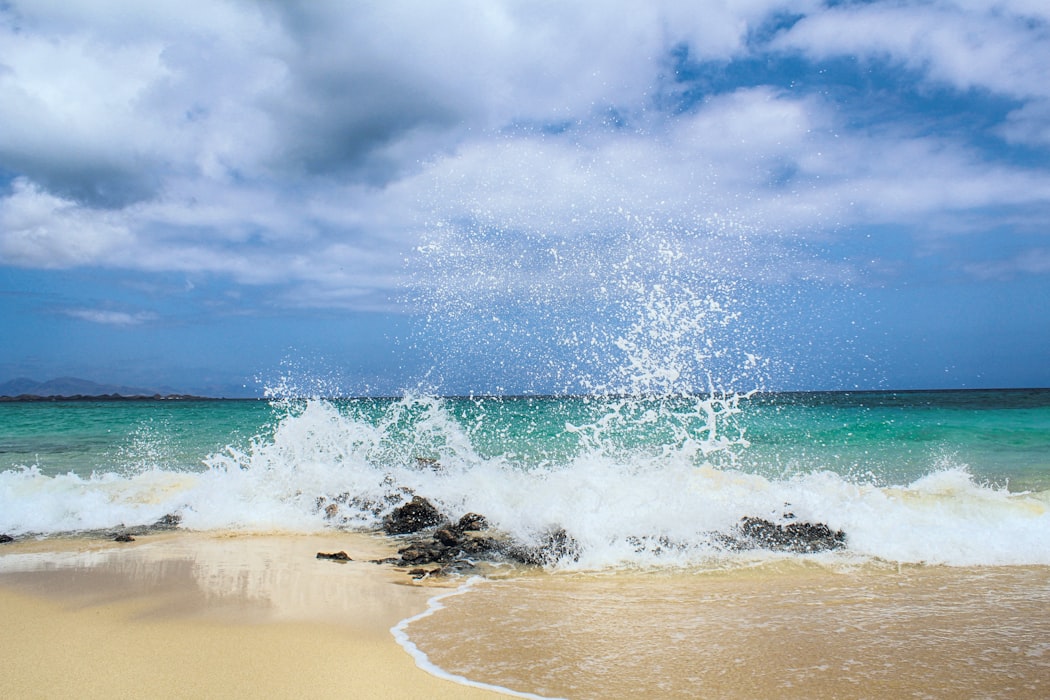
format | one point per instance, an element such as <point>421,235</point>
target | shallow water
<point>785,629</point>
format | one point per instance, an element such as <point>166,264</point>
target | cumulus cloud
<point>39,229</point>
<point>1028,125</point>
<point>992,45</point>
<point>311,147</point>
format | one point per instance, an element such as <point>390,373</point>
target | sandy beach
<point>212,615</point>
<point>788,628</point>
<point>204,615</point>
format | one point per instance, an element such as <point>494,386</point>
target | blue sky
<point>220,197</point>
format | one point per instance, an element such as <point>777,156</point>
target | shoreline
<point>787,628</point>
<point>189,614</point>
<point>219,614</point>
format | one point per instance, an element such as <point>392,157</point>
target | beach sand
<point>199,615</point>
<point>787,628</point>
<point>207,615</point>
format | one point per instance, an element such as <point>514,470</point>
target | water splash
<point>651,308</point>
<point>635,481</point>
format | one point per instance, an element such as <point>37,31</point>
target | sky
<point>234,196</point>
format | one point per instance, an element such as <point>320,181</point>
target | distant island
<point>74,389</point>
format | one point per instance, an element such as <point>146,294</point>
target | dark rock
<point>427,552</point>
<point>479,546</point>
<point>4,539</point>
<point>168,522</point>
<point>447,545</point>
<point>433,540</point>
<point>795,537</point>
<point>428,463</point>
<point>345,509</point>
<point>419,573</point>
<point>448,537</point>
<point>334,556</point>
<point>472,522</point>
<point>414,554</point>
<point>761,531</point>
<point>814,537</point>
<point>416,515</point>
<point>555,544</point>
<point>124,537</point>
<point>657,544</point>
<point>390,561</point>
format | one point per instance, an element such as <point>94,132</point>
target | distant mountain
<point>69,386</point>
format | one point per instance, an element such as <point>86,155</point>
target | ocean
<point>953,477</point>
<point>943,498</point>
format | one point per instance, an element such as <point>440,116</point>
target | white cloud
<point>1033,261</point>
<point>1028,125</point>
<point>985,45</point>
<point>112,318</point>
<point>772,161</point>
<point>311,146</point>
<point>38,229</point>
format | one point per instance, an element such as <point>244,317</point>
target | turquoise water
<point>123,436</point>
<point>1001,437</point>
<point>958,477</point>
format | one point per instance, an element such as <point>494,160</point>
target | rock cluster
<point>431,538</point>
<point>431,544</point>
<point>128,534</point>
<point>417,514</point>
<point>454,547</point>
<point>757,533</point>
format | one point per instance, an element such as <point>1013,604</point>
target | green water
<point>121,436</point>
<point>1001,437</point>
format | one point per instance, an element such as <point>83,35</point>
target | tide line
<point>423,661</point>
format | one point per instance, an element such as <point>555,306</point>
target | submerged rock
<point>472,522</point>
<point>168,522</point>
<point>429,463</point>
<point>334,556</point>
<point>758,533</point>
<point>448,537</point>
<point>343,509</point>
<point>555,544</point>
<point>429,538</point>
<point>418,514</point>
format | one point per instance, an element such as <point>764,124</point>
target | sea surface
<point>954,477</point>
<point>943,496</point>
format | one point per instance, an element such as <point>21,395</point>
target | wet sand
<point>779,629</point>
<point>206,615</point>
<point>196,615</point>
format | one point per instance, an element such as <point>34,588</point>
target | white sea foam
<point>624,508</point>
